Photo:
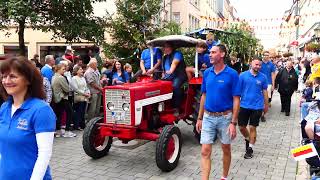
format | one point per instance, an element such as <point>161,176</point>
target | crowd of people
<point>66,93</point>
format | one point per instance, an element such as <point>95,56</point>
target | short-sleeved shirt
<point>220,89</point>
<point>116,76</point>
<point>47,72</point>
<point>146,57</point>
<point>177,56</point>
<point>267,69</point>
<point>18,145</point>
<point>214,43</point>
<point>251,88</point>
<point>315,71</point>
<point>204,59</point>
<point>93,76</point>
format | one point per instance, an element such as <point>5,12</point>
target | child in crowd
<point>307,93</point>
<point>128,68</point>
<point>203,60</point>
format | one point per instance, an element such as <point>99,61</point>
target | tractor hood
<point>146,89</point>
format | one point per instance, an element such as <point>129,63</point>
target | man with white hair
<point>92,76</point>
<point>47,70</point>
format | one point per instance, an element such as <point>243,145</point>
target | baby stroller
<point>314,162</point>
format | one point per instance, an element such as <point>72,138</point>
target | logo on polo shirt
<point>22,124</point>
<point>221,81</point>
<point>258,82</point>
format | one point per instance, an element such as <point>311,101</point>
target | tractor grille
<point>118,98</point>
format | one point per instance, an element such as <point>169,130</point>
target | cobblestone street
<point>272,159</point>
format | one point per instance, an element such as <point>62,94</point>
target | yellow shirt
<point>315,71</point>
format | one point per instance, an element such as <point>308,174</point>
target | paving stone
<point>272,159</point>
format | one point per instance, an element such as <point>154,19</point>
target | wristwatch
<point>234,123</point>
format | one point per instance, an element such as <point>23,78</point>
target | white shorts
<point>269,89</point>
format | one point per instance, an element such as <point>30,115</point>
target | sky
<point>256,9</point>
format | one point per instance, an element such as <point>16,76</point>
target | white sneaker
<point>69,134</point>
<point>58,133</point>
<point>63,131</point>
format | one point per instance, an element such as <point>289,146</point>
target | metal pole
<point>170,11</point>
<point>297,14</point>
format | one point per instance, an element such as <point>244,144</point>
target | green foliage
<point>69,19</point>
<point>131,26</point>
<point>241,43</point>
<point>170,28</point>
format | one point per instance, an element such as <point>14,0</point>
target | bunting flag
<point>304,152</point>
<point>237,20</point>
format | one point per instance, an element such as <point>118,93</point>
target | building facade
<point>306,27</point>
<point>190,13</point>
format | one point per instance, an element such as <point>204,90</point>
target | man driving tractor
<point>174,70</point>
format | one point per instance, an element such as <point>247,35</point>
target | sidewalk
<point>272,159</point>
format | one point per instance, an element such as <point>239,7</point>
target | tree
<point>134,22</point>
<point>69,19</point>
<point>240,41</point>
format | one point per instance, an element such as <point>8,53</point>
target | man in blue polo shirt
<point>47,70</point>
<point>174,70</point>
<point>145,62</point>
<point>269,70</point>
<point>218,113</point>
<point>254,100</point>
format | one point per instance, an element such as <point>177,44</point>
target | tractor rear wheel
<point>196,108</point>
<point>95,145</point>
<point>168,148</point>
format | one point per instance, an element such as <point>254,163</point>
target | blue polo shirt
<point>126,76</point>
<point>204,58</point>
<point>220,89</point>
<point>47,72</point>
<point>146,57</point>
<point>267,69</point>
<point>251,88</point>
<point>18,145</point>
<point>214,43</point>
<point>177,56</point>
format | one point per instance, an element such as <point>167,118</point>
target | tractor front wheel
<point>168,148</point>
<point>95,145</point>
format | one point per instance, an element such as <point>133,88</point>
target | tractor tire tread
<point>164,137</point>
<point>87,144</point>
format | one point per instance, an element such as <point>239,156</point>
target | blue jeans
<point>215,126</point>
<point>79,108</point>
<point>177,91</point>
<point>304,109</point>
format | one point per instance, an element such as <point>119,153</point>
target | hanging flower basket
<point>313,47</point>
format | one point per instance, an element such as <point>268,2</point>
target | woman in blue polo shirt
<point>119,76</point>
<point>27,123</point>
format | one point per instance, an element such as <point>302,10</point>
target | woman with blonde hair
<point>61,91</point>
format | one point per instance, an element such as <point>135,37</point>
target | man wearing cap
<point>218,113</point>
<point>269,70</point>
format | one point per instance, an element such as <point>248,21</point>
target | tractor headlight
<point>125,106</point>
<point>110,106</point>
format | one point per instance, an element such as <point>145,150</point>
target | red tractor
<point>143,110</point>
